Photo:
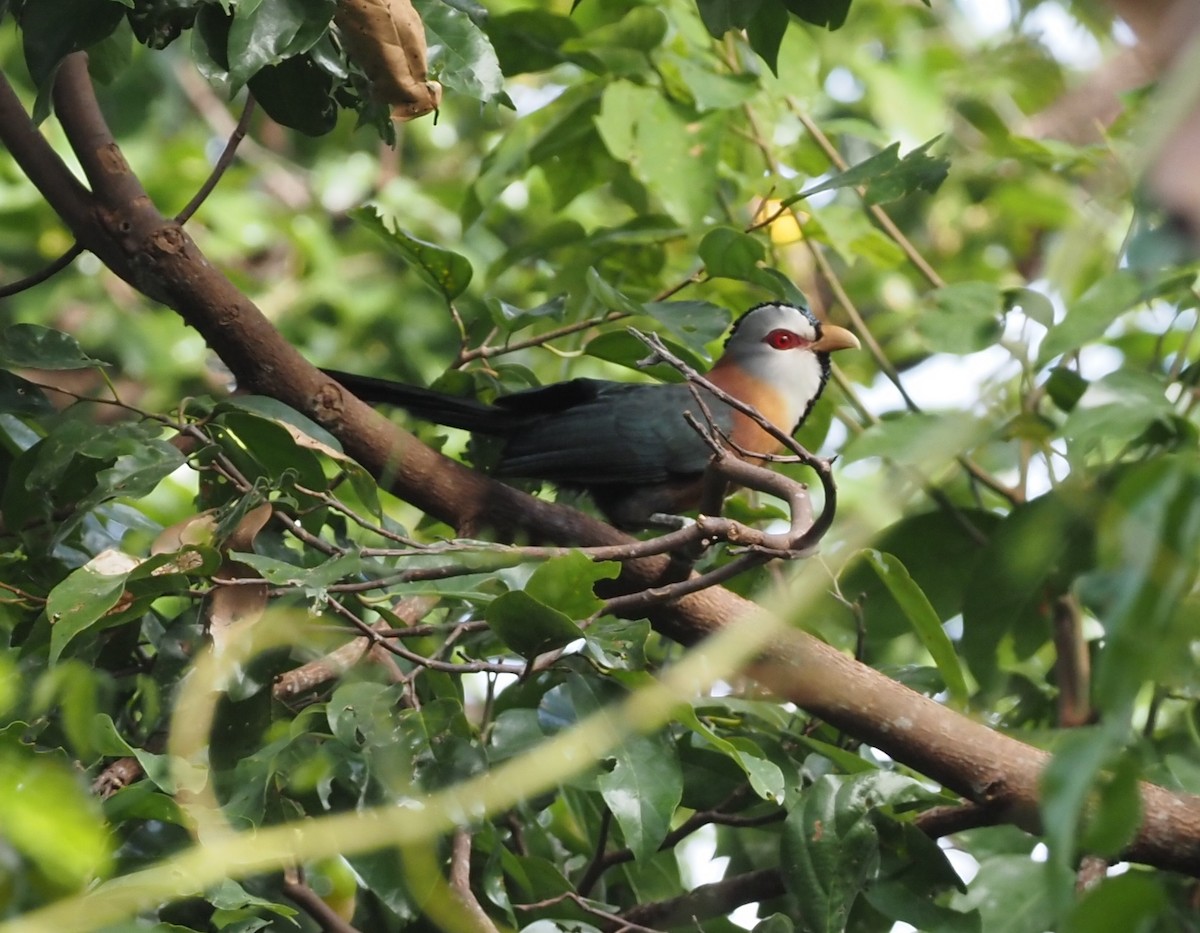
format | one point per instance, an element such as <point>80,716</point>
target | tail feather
<point>428,404</point>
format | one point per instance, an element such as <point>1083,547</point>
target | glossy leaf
<point>80,601</point>
<point>939,549</point>
<point>460,54</point>
<point>265,32</point>
<point>830,845</point>
<point>643,789</point>
<point>887,176</point>
<point>924,620</point>
<point>52,29</point>
<point>445,271</point>
<point>35,347</point>
<point>529,626</point>
<point>566,583</point>
<point>296,93</point>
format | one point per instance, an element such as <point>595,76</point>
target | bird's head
<point>786,349</point>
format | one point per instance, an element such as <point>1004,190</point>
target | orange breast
<point>761,396</point>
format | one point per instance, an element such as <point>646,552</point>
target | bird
<point>627,444</point>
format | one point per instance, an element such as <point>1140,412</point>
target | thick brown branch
<point>50,175</point>
<point>708,900</point>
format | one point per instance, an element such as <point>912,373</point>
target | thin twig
<point>880,215</point>
<point>460,880</point>
<point>465,667</point>
<point>222,164</point>
<point>328,919</point>
<point>46,272</point>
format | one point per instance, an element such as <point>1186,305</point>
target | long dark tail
<point>450,410</point>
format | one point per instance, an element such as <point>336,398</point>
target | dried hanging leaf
<point>386,39</point>
<point>232,604</point>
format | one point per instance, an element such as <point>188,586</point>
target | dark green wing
<point>591,432</point>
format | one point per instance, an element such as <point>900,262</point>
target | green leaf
<point>1115,411</point>
<point>914,875</point>
<point>461,56</point>
<point>443,270</point>
<point>305,438</point>
<point>731,254</point>
<point>765,30</point>
<point>965,318</point>
<point>695,323</point>
<point>720,16</point>
<point>512,318</point>
<point>642,29</point>
<point>766,778</point>
<point>110,742</point>
<point>709,90</point>
<point>1117,811</point>
<point>53,29</point>
<point>669,149</point>
<point>627,350</point>
<point>1033,304</point>
<point>83,598</point>
<point>530,40</point>
<point>272,409</point>
<point>923,440</point>
<point>1090,316</point>
<point>316,578</point>
<point>829,849</point>
<point>528,626</point>
<point>110,58</point>
<point>1148,547</point>
<point>566,583</point>
<point>610,297</point>
<point>296,93</point>
<point>1132,901</point>
<point>886,177</point>
<point>1032,558</point>
<point>828,13</point>
<point>924,619</point>
<point>1009,891</point>
<point>1065,388</point>
<point>265,32</point>
<point>134,474</point>
<point>35,347</point>
<point>50,818</point>
<point>364,713</point>
<point>642,790</point>
<point>939,548</point>
<point>1067,784</point>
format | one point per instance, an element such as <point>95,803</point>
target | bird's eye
<point>784,340</point>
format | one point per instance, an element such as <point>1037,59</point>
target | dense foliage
<point>1019,480</point>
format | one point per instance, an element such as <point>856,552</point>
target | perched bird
<point>627,444</point>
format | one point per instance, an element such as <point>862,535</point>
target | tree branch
<point>709,900</point>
